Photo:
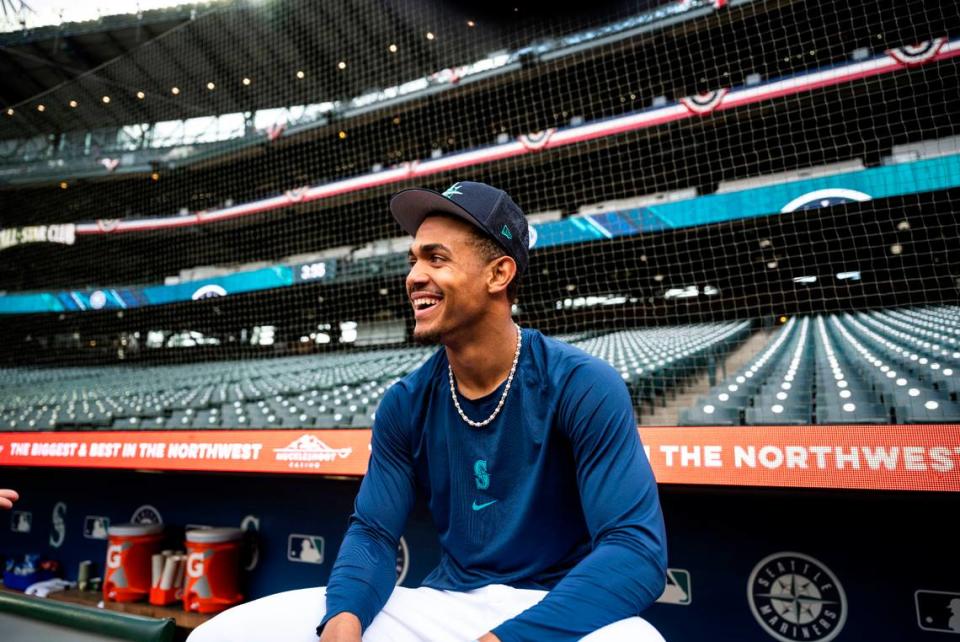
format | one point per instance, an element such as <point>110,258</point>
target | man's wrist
<point>342,626</point>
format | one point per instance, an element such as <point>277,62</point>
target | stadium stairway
<point>668,414</point>
<point>883,366</point>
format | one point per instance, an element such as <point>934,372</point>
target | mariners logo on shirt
<point>796,597</point>
<point>480,474</point>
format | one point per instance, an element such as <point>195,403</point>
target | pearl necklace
<point>503,397</point>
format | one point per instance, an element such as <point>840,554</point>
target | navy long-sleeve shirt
<point>555,494</point>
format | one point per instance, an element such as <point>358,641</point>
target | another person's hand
<point>489,637</point>
<point>7,497</point>
<point>343,627</point>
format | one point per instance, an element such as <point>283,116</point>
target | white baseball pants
<point>410,615</point>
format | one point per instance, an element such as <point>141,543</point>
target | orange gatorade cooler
<point>128,572</point>
<point>213,569</point>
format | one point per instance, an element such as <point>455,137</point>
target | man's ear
<point>500,273</point>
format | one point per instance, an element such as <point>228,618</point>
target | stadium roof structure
<point>69,68</point>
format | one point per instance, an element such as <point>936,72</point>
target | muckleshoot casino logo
<point>795,597</point>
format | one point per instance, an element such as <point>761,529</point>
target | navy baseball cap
<point>487,208</point>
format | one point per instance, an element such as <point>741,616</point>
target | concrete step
<point>669,415</point>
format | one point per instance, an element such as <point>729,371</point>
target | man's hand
<point>489,637</point>
<point>7,497</point>
<point>342,627</point>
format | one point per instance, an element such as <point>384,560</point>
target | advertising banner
<point>848,457</point>
<point>326,452</point>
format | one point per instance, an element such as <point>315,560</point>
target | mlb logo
<point>938,611</point>
<point>677,590</point>
<point>305,548</point>
<point>21,521</point>
<point>96,526</point>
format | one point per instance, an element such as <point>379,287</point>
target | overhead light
<point>41,107</point>
<point>211,86</point>
<point>9,111</point>
<point>342,64</point>
<point>392,48</point>
<point>896,249</point>
<point>804,279</point>
<point>106,100</point>
<point>300,74</point>
<point>72,103</point>
<point>64,185</point>
<point>765,243</point>
<point>658,278</point>
<point>571,287</point>
<point>175,91</point>
<point>471,23</point>
<point>772,265</point>
<point>342,134</point>
<point>903,226</point>
<point>141,95</point>
<point>155,176</point>
<point>430,35</point>
<point>682,293</point>
<point>848,276</point>
<point>246,81</point>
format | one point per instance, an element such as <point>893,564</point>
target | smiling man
<point>526,450</point>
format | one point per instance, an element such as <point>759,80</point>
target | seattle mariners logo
<point>453,190</point>
<point>795,597</point>
<point>480,474</point>
<point>58,530</point>
<point>403,560</point>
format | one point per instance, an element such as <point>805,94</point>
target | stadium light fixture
<point>72,103</point>
<point>392,48</point>
<point>175,91</point>
<point>10,111</point>
<point>155,176</point>
<point>342,65</point>
<point>106,100</point>
<point>772,265</point>
<point>471,23</point>
<point>896,249</point>
<point>64,185</point>
<point>211,86</point>
<point>688,292</point>
<point>246,82</point>
<point>430,35</point>
<point>300,74</point>
<point>41,107</point>
<point>342,134</point>
<point>141,95</point>
<point>903,226</point>
<point>848,276</point>
<point>804,279</point>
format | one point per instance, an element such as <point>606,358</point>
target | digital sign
<point>833,457</point>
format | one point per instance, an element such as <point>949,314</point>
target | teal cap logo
<point>453,190</point>
<point>506,232</point>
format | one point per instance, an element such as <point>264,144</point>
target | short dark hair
<point>489,250</point>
